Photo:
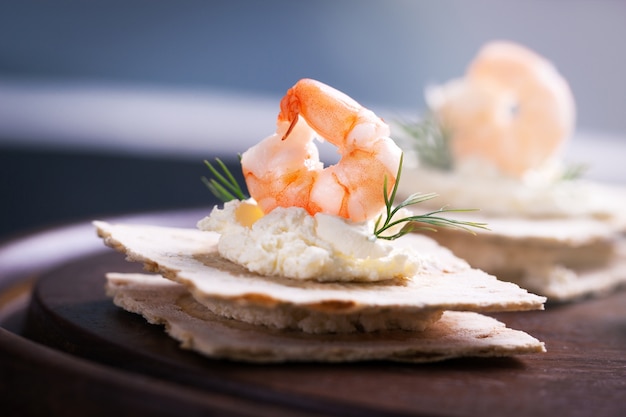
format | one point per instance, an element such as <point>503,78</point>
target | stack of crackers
<point>222,310</point>
<point>564,259</point>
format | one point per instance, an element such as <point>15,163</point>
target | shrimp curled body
<point>284,169</point>
<point>512,109</point>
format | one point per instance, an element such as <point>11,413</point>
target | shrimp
<point>512,109</point>
<point>284,169</point>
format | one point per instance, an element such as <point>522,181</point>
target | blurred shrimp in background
<point>110,107</point>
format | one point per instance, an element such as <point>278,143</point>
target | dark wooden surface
<point>76,353</point>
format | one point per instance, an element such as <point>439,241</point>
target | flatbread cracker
<point>456,334</point>
<point>563,259</point>
<point>190,257</point>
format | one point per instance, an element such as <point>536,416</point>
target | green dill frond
<point>431,142</point>
<point>223,185</point>
<point>428,221</point>
<point>573,172</point>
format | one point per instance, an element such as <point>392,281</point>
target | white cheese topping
<point>289,242</point>
<point>539,194</point>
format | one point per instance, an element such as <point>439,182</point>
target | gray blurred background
<point>110,106</point>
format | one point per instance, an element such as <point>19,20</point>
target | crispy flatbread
<point>190,257</point>
<point>456,334</point>
<point>563,259</point>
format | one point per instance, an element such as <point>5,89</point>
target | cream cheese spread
<point>540,194</point>
<point>289,242</point>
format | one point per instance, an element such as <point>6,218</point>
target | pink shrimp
<point>284,169</point>
<point>512,109</point>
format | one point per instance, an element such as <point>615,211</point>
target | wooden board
<point>115,361</point>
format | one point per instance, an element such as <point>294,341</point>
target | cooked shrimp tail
<point>284,169</point>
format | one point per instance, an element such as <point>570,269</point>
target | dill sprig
<point>573,172</point>
<point>224,186</point>
<point>410,223</point>
<point>431,141</point>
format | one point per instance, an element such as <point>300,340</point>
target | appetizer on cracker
<point>494,139</point>
<point>318,263</point>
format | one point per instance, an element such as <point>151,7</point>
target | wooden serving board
<point>76,352</point>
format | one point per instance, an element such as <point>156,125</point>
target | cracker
<point>190,257</point>
<point>563,259</point>
<point>456,334</point>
